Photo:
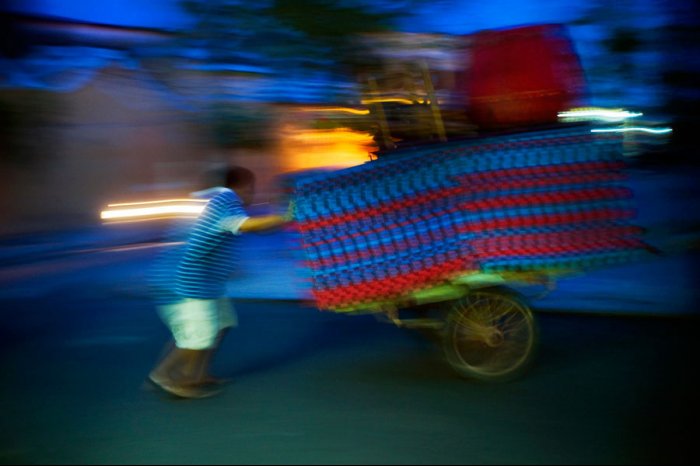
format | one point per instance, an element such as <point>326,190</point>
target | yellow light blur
<point>332,136</point>
<point>354,111</point>
<point>379,100</point>
<point>305,149</point>
<point>152,210</point>
<point>161,201</point>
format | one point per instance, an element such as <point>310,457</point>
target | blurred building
<point>93,113</point>
<point>85,123</point>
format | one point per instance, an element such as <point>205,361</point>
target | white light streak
<point>600,114</point>
<point>153,209</point>
<point>637,129</point>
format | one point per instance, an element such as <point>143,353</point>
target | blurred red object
<point>522,76</point>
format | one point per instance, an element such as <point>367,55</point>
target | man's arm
<point>261,223</point>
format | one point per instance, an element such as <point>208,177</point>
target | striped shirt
<point>161,274</point>
<point>212,249</point>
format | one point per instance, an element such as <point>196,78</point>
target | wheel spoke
<point>491,335</point>
<point>510,313</point>
<point>513,323</point>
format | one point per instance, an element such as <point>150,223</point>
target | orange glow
<point>378,100</point>
<point>353,111</point>
<point>307,149</point>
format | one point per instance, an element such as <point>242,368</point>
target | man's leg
<point>165,362</point>
<point>179,374</point>
<point>205,377</point>
<point>226,319</point>
<point>193,324</point>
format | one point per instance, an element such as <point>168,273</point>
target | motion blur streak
<point>155,209</point>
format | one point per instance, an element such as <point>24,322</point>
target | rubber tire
<point>473,301</point>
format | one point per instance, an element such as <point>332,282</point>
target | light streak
<point>629,129</point>
<point>599,114</point>
<point>378,100</point>
<point>152,210</point>
<point>354,111</point>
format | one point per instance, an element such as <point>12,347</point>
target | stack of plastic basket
<point>542,201</point>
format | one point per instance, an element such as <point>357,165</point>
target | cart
<point>444,236</point>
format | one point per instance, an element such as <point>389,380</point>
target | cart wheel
<point>490,335</point>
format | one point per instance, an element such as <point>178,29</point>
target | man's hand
<point>268,222</point>
<point>291,211</point>
<point>262,223</point>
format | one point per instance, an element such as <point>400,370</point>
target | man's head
<point>242,181</point>
<point>212,177</point>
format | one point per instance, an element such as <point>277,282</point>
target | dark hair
<point>212,177</point>
<point>238,177</point>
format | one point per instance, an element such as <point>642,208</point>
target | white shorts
<point>196,323</point>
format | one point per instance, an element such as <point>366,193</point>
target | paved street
<point>313,387</point>
<point>615,381</point>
